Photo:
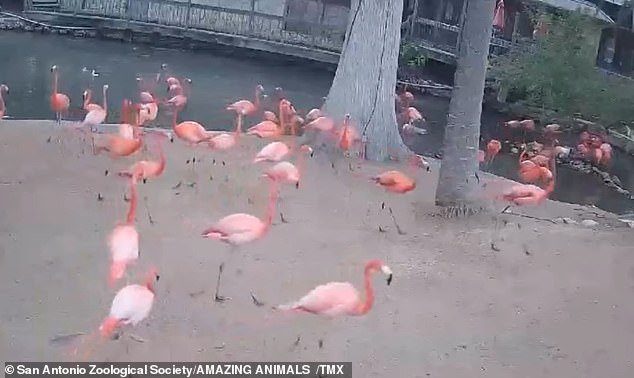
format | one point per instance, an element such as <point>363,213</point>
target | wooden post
<point>461,24</point>
<point>410,32</point>
<point>319,27</point>
<point>189,12</point>
<point>251,17</point>
<point>516,25</point>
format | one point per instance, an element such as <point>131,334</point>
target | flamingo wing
<point>334,298</point>
<point>124,243</point>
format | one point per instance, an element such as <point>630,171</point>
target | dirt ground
<point>494,295</point>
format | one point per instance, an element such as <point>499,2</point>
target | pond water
<point>219,79</point>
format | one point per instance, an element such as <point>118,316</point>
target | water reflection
<point>219,80</point>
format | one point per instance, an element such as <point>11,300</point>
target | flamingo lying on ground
<point>123,241</point>
<point>4,89</point>
<point>239,229</point>
<point>285,171</point>
<point>59,101</point>
<point>340,298</point>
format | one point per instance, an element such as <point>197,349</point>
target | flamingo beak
<point>388,272</point>
<point>297,185</point>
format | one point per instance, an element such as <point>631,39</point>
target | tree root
<point>460,211</point>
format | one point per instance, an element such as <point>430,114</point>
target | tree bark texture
<point>460,148</point>
<point>365,81</point>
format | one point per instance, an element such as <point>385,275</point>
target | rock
<point>628,222</point>
<point>568,221</point>
<point>589,223</point>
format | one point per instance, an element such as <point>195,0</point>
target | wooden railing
<point>190,14</point>
<point>316,31</point>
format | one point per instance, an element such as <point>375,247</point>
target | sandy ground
<point>493,296</point>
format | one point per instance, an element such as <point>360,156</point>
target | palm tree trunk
<point>365,81</point>
<point>457,181</point>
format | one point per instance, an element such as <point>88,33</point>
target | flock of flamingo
<point>133,303</point>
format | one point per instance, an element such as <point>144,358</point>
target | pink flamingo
<point>265,129</point>
<point>190,132</point>
<point>313,114</point>
<point>493,148</point>
<point>340,298</point>
<point>285,171</point>
<point>225,141</point>
<point>239,229</point>
<point>88,106</point>
<point>131,305</point>
<point>4,89</point>
<point>146,169</point>
<point>246,107</point>
<point>179,100</point>
<point>123,241</point>
<point>97,114</point>
<point>59,101</point>
<point>274,151</point>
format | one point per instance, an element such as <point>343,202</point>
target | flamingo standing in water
<point>527,194</point>
<point>4,89</point>
<point>340,298</point>
<point>246,107</point>
<point>493,148</point>
<point>239,229</point>
<point>59,101</point>
<point>123,241</point>
<point>179,100</point>
<point>285,171</point>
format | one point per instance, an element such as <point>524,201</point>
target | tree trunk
<point>365,81</point>
<point>460,148</point>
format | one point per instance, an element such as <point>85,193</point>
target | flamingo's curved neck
<point>270,210</point>
<point>522,155</point>
<point>366,305</point>
<point>149,281</point>
<point>282,116</point>
<point>133,202</point>
<point>55,82</point>
<point>125,117</point>
<point>87,98</point>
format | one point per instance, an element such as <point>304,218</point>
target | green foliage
<point>412,55</point>
<point>558,73</point>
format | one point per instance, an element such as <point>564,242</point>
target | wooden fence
<point>286,28</point>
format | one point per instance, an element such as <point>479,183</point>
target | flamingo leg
<point>217,296</point>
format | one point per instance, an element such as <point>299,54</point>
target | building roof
<point>584,6</point>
